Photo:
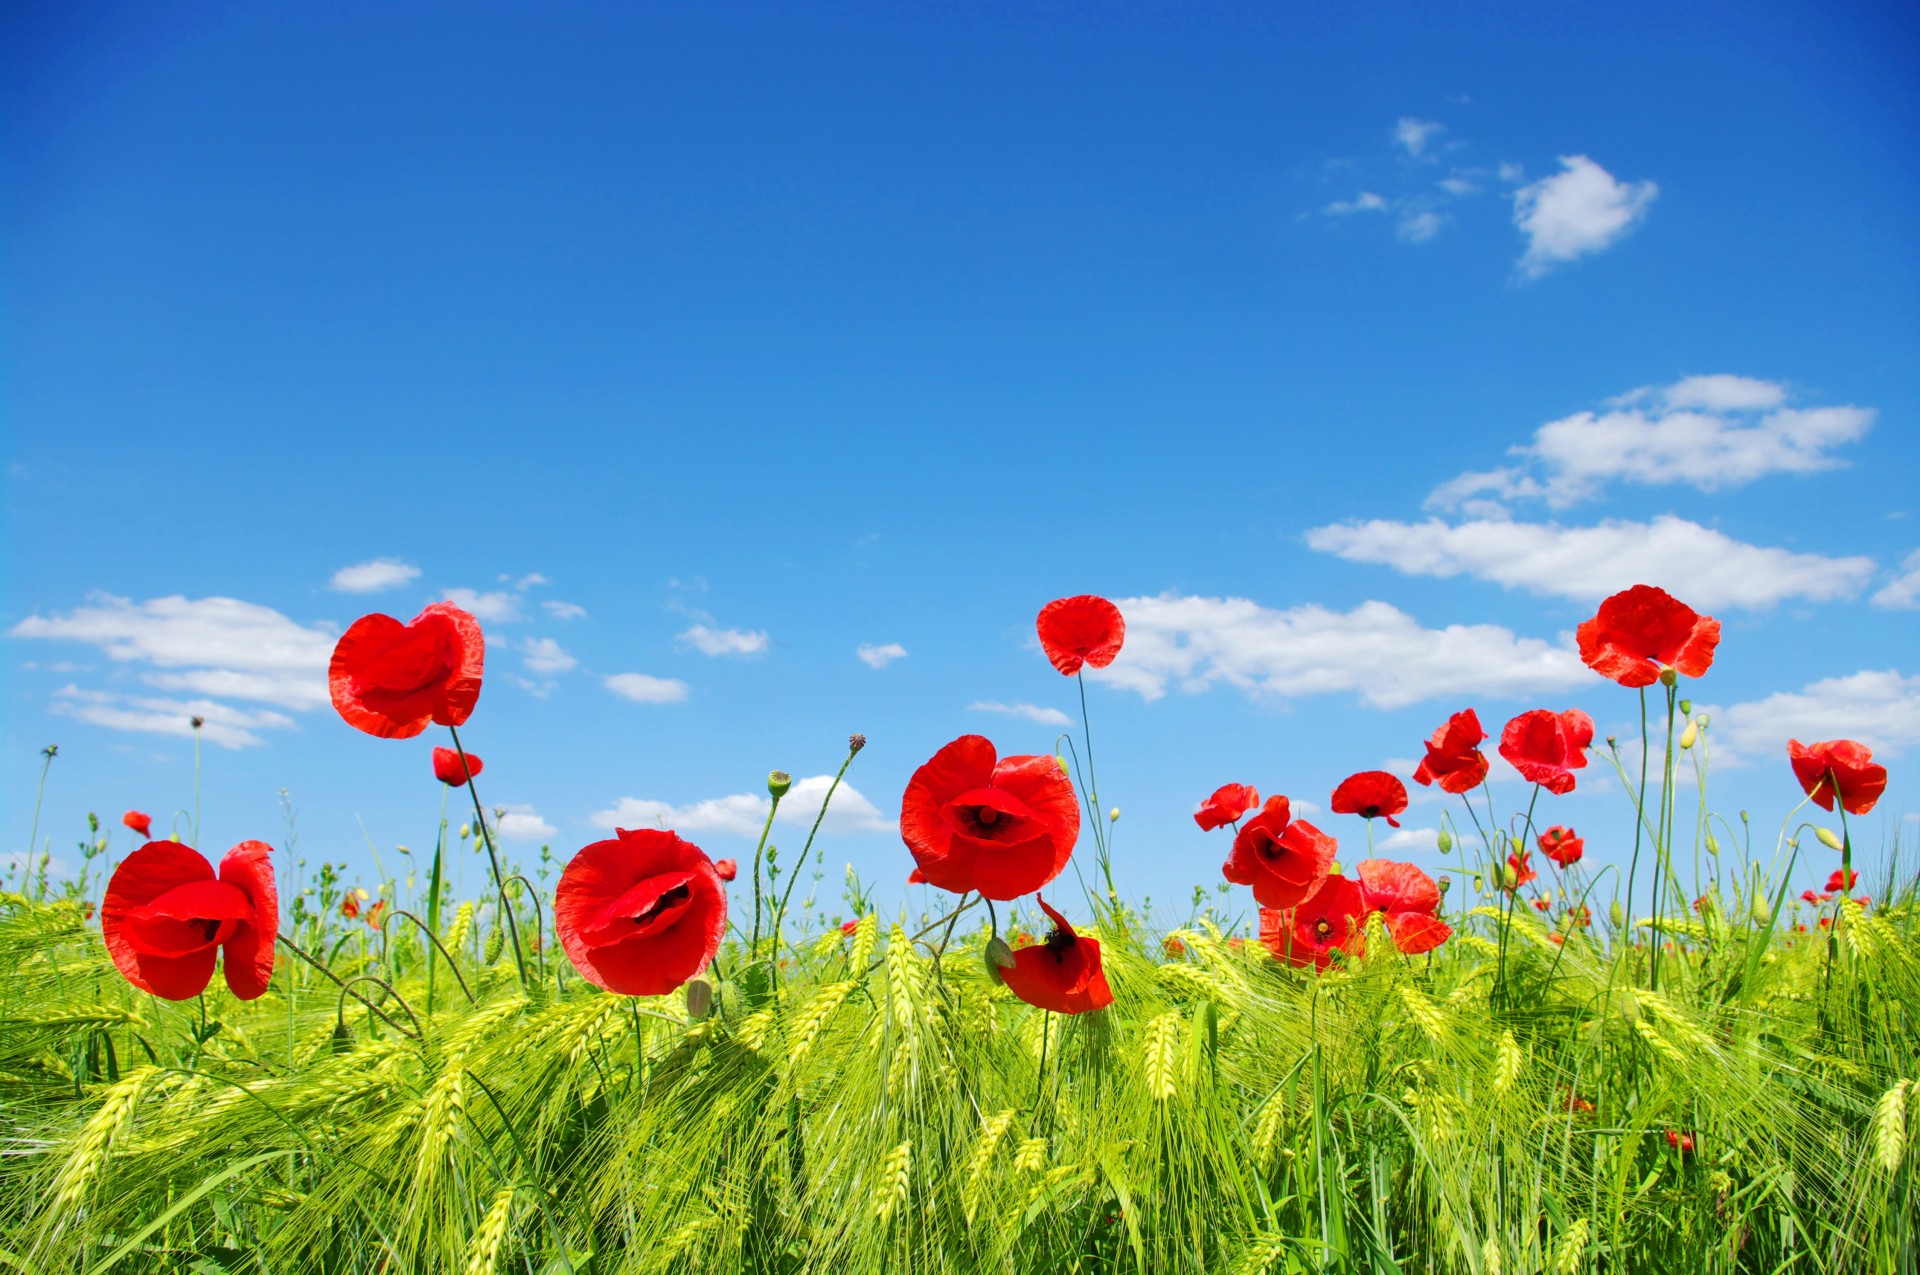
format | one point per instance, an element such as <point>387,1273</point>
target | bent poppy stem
<point>295,948</point>
<point>480,817</point>
<point>346,990</point>
<point>433,939</point>
<point>49,752</point>
<point>759,853</point>
<point>539,925</point>
<point>780,911</point>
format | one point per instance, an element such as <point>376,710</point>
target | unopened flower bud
<point>1713,847</point>
<point>1669,677</point>
<point>466,831</point>
<point>1519,846</point>
<point>1113,816</point>
<point>699,998</point>
<point>1743,816</point>
<point>1061,762</point>
<point>1828,838</point>
<point>1762,911</point>
<point>1616,914</point>
<point>1687,736</point>
<point>1444,841</point>
<point>778,782</point>
<point>1509,876</point>
<point>998,956</point>
<point>496,941</point>
<point>1479,883</point>
<point>855,742</point>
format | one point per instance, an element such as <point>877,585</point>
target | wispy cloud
<point>1031,712</point>
<point>879,656</point>
<point>544,655</point>
<point>642,689</point>
<point>1578,211</point>
<point>1902,593</point>
<point>376,576</point>
<point>497,606</point>
<point>563,610</point>
<point>744,814</point>
<point>712,641</point>
<point>1365,201</point>
<point>220,723</point>
<point>1415,135</point>
<point>523,823</point>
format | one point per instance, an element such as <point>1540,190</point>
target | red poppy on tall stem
<point>166,918</point>
<point>1522,871</point>
<point>1371,794</point>
<point>1284,860</point>
<point>394,680</point>
<point>1081,630</point>
<point>1335,917</point>
<point>142,824</point>
<point>1454,759</point>
<point>1547,747</point>
<point>1642,631</point>
<point>1562,846</point>
<point>1228,803</point>
<point>726,869</point>
<point>1842,879</point>
<point>641,913</point>
<point>1062,974</point>
<point>973,820</point>
<point>448,770</point>
<point>1408,899</point>
<point>1841,766</point>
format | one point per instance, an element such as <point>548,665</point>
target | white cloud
<point>228,727</point>
<point>1704,567</point>
<point>373,577</point>
<point>642,689</point>
<point>1457,186</point>
<point>498,606</point>
<point>523,823</point>
<point>1408,839</point>
<point>1577,211</point>
<point>1880,708</point>
<point>528,581</point>
<point>1365,201</point>
<point>563,610</point>
<point>711,641</point>
<point>1412,135</point>
<point>1902,593</point>
<point>1720,392</point>
<point>744,814</point>
<point>544,655</point>
<point>1032,712</point>
<point>1420,227</point>
<point>880,656</point>
<point>1375,651</point>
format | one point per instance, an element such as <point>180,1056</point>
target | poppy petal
<point>248,867</point>
<point>143,876</point>
<point>1081,630</point>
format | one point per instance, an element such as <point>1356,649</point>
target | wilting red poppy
<point>640,914</point>
<point>167,917</point>
<point>1082,630</point>
<point>1454,759</point>
<point>1642,630</point>
<point>394,680</point>
<point>1004,826</point>
<point>1547,747</point>
<point>1335,917</point>
<point>848,927</point>
<point>374,913</point>
<point>1408,899</point>
<point>1371,794</point>
<point>1562,846</point>
<point>141,824</point>
<point>1842,879</point>
<point>447,768</point>
<point>726,869</point>
<point>1522,871</point>
<point>1228,803</point>
<point>1845,766</point>
<point>350,905</point>
<point>1062,974</point>
<point>1283,861</point>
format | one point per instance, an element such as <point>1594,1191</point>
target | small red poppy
<point>1547,747</point>
<point>350,906</point>
<point>848,927</point>
<point>1283,861</point>
<point>1371,794</point>
<point>1681,1142</point>
<point>141,824</point>
<point>1522,870</point>
<point>1454,759</point>
<point>374,913</point>
<point>726,869</point>
<point>1228,803</point>
<point>394,680</point>
<point>1842,879</point>
<point>1082,630</point>
<point>640,914</point>
<point>166,917</point>
<point>447,768</point>
<point>1004,826</point>
<point>1643,630</point>
<point>1562,846</point>
<point>1409,900</point>
<point>1335,917</point>
<point>1542,905</point>
<point>1173,946</point>
<point>1062,974</point>
<point>1838,765</point>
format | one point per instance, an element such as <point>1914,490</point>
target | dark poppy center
<point>990,814</point>
<point>661,906</point>
<point>987,815</point>
<point>1059,942</point>
<point>1369,812</point>
<point>1322,930</point>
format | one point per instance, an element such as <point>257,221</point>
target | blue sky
<point>701,348</point>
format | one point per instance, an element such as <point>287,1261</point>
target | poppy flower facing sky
<point>1408,899</point>
<point>1283,859</point>
<point>394,680</point>
<point>1454,760</point>
<point>1838,766</point>
<point>167,918</point>
<point>640,914</point>
<point>1081,630</point>
<point>1227,804</point>
<point>447,768</point>
<point>1642,630</point>
<point>1371,794</point>
<point>1334,918</point>
<point>1547,747</point>
<point>1004,826</point>
<point>1062,974</point>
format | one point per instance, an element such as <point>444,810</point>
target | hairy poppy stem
<point>295,948</point>
<point>759,853</point>
<point>346,990</point>
<point>1662,844</point>
<point>480,817</point>
<point>539,923</point>
<point>1093,791</point>
<point>1639,815</point>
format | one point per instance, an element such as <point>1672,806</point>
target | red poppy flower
<point>1003,827</point>
<point>1681,1142</point>
<point>350,905</point>
<point>1371,794</point>
<point>1542,905</point>
<point>1409,900</point>
<point>1228,803</point>
<point>393,680</point>
<point>1453,757</point>
<point>640,914</point>
<point>1082,630</point>
<point>1335,917</point>
<point>373,913</point>
<point>166,917</point>
<point>1846,767</point>
<point>1283,861</point>
<point>1173,946</point>
<point>1062,974</point>
<point>726,869</point>
<point>848,927</point>
<point>1522,870</point>
<point>1842,880</point>
<point>1547,747</point>
<point>1643,630</point>
<point>447,768</point>
<point>140,823</point>
<point>1562,846</point>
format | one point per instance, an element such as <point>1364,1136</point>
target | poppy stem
<point>480,817</point>
<point>1093,792</point>
<point>295,948</point>
<point>346,990</point>
<point>1040,1075</point>
<point>433,939</point>
<point>1662,843</point>
<point>759,853</point>
<point>1639,816</point>
<point>539,923</point>
<point>780,911</point>
<point>49,752</point>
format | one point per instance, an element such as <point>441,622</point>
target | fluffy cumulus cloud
<point>498,606</point>
<point>1902,593</point>
<point>1365,201</point>
<point>1707,568</point>
<point>744,814</point>
<point>1031,712</point>
<point>1375,651</point>
<point>221,724</point>
<point>881,655</point>
<point>1880,708</point>
<point>1408,839</point>
<point>711,641</point>
<point>1577,211</point>
<point>523,823</point>
<point>544,655</point>
<point>642,689</point>
<point>376,576</point>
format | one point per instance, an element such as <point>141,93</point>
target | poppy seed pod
<point>778,782</point>
<point>1668,677</point>
<point>1445,884</point>
<point>699,998</point>
<point>1686,707</point>
<point>856,742</point>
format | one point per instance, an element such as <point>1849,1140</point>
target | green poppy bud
<point>1689,735</point>
<point>1762,910</point>
<point>1713,847</point>
<point>778,781</point>
<point>496,940</point>
<point>1113,816</point>
<point>1444,841</point>
<point>1509,876</point>
<point>1829,838</point>
<point>1617,915</point>
<point>466,831</point>
<point>699,998</point>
